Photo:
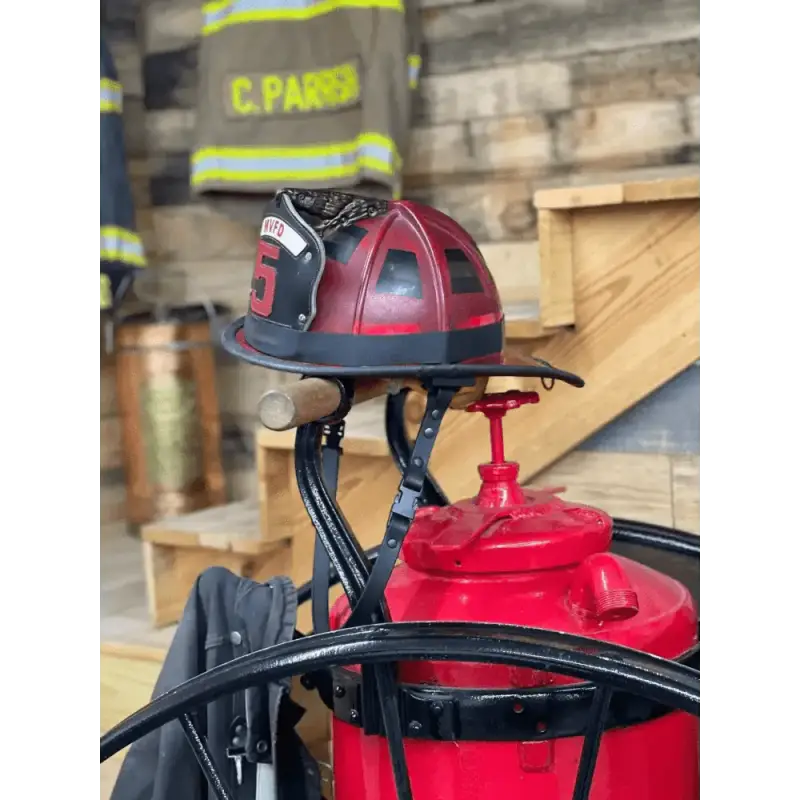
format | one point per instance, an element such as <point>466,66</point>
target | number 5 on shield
<point>262,288</point>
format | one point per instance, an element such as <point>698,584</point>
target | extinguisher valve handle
<point>494,408</point>
<point>496,405</point>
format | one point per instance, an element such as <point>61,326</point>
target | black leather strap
<point>405,503</point>
<point>378,678</point>
<point>331,453</point>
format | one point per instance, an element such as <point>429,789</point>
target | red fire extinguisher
<point>522,557</point>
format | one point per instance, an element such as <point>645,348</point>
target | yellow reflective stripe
<point>105,291</point>
<point>414,66</point>
<point>315,162</point>
<point>222,14</point>
<point>120,244</point>
<point>110,96</point>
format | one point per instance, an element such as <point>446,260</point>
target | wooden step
<point>176,550</point>
<point>523,321</point>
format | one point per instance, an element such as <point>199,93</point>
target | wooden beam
<point>557,270</point>
<point>685,187</point>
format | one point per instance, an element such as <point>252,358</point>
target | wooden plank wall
<point>516,95</point>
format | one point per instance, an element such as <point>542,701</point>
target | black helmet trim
<point>358,350</point>
<point>288,246</point>
<point>512,365</point>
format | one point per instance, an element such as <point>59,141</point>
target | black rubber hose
<point>344,551</point>
<point>660,537</point>
<point>620,668</point>
<point>204,758</point>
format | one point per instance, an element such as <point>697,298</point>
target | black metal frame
<point>613,677</point>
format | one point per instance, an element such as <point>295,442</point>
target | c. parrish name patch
<point>293,92</point>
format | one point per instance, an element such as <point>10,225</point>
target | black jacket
<point>226,617</point>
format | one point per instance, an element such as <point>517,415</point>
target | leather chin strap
<point>412,487</point>
<point>405,503</point>
<point>380,696</point>
<point>320,591</point>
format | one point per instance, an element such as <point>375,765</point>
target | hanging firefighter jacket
<point>306,93</point>
<point>121,250</point>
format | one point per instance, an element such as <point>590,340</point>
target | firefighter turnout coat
<point>121,251</point>
<point>304,93</point>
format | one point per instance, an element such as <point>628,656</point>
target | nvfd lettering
<point>295,93</point>
<point>272,226</point>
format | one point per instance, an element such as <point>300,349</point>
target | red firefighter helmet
<point>350,286</point>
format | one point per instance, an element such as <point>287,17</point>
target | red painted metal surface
<point>358,305</point>
<point>526,557</point>
<point>655,761</point>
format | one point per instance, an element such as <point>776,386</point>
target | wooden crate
<point>561,221</point>
<point>178,549</point>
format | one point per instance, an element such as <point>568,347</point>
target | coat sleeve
<point>161,766</point>
<point>121,249</point>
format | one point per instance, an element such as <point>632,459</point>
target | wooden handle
<point>315,398</point>
<point>308,400</point>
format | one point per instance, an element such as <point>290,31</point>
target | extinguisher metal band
<point>405,504</point>
<point>431,713</point>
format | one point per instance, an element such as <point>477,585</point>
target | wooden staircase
<point>620,296</point>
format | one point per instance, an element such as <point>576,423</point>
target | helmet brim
<point>512,364</point>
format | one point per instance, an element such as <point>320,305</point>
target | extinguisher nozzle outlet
<point>603,590</point>
<point>616,605</point>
